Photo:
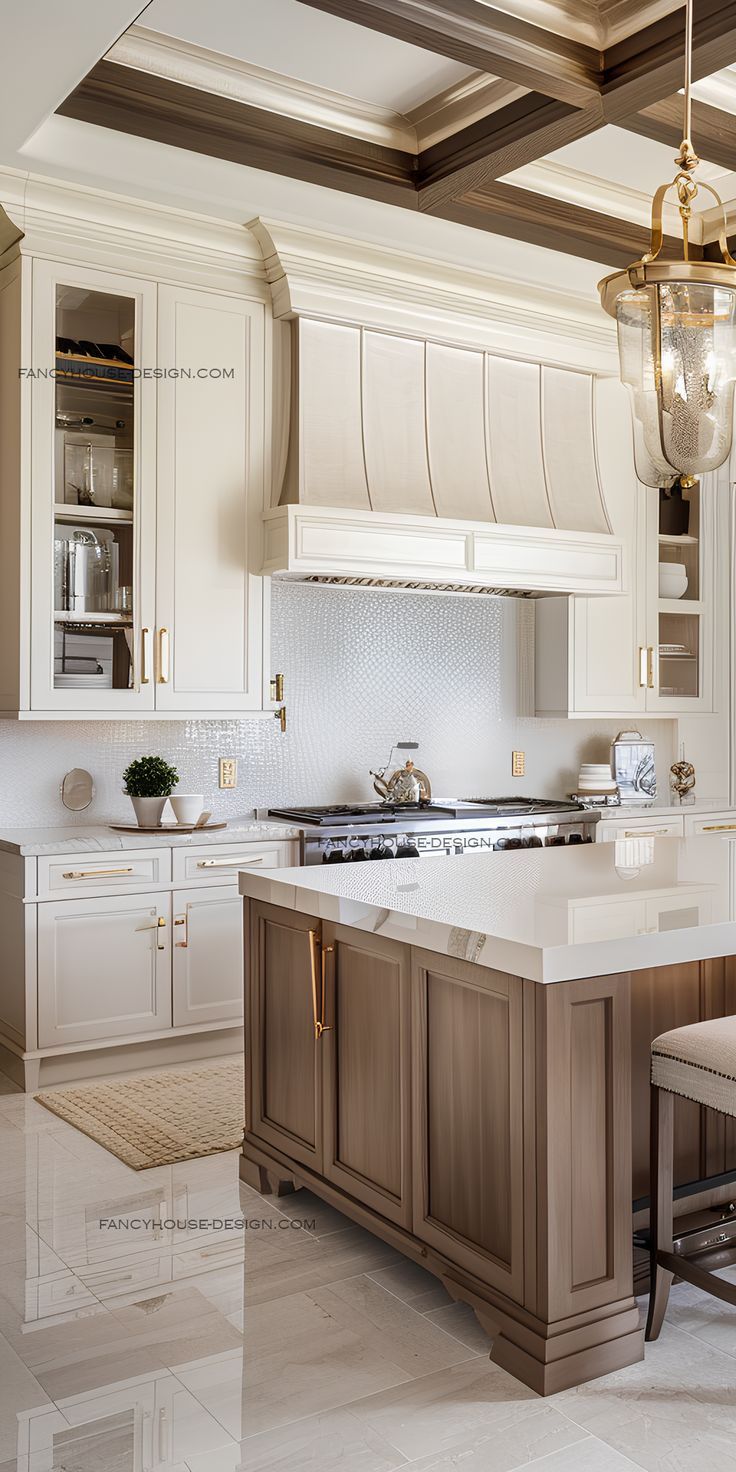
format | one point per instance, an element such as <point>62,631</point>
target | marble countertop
<point>78,839</point>
<point>546,914</point>
<point>662,809</point>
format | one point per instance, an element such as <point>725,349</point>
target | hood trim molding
<point>428,554</point>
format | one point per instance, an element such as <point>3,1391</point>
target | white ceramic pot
<point>187,806</point>
<point>148,810</point>
<point>672,580</point>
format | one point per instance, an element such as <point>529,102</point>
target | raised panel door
<point>210,502</point>
<point>283,1055</point>
<point>467,1102</point>
<point>367,1058</point>
<point>207,955</point>
<point>104,968</point>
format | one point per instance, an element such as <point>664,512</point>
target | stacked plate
<point>595,778</point>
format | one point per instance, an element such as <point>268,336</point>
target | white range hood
<point>402,460</point>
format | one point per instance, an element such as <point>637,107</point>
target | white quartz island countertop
<point>546,914</point>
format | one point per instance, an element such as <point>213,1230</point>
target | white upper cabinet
<point>639,652</point>
<point>210,502</point>
<point>132,472</point>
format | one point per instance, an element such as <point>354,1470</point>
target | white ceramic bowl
<point>672,580</point>
<point>187,806</point>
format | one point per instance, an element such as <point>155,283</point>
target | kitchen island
<point>456,1054</point>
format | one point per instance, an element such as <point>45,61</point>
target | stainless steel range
<point>381,830</point>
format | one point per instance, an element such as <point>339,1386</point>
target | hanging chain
<point>687,159</point>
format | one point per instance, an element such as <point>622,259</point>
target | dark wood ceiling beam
<point>649,66</point>
<point>552,223</point>
<point>131,101</point>
<point>480,36</point>
<point>505,140</point>
<point>714,131</point>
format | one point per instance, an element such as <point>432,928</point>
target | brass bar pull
<point>158,926</point>
<point>326,951</point>
<point>182,920</point>
<point>144,660</point>
<point>650,668</point>
<point>313,948</point>
<point>649,833</point>
<point>280,716</point>
<point>227,863</point>
<point>95,873</point>
<point>643,659</point>
<point>277,687</point>
<point>718,828</point>
<point>163,656</point>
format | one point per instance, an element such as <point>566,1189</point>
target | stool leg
<point>660,1211</point>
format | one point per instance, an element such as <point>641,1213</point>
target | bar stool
<point>696,1062</point>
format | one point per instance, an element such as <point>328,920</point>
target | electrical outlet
<point>228,771</point>
<point>518,763</point>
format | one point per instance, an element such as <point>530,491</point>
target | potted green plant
<point>149,780</point>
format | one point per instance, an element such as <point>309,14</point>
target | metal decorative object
<point>406,784</point>
<point>682,779</point>
<point>677,335</point>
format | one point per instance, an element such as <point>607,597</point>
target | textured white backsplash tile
<point>363,670</point>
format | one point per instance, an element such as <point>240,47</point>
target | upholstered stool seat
<point>699,1063</point>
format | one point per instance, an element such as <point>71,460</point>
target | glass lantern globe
<point>677,350</point>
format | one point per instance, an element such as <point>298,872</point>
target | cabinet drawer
<point>716,824</point>
<point>79,874</point>
<point>640,828</point>
<point>219,863</point>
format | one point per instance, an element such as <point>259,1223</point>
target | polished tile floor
<point>132,1341</point>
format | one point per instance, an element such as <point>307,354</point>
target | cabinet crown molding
<point>313,273</point>
<point>49,217</point>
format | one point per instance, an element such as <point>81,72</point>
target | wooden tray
<point>165,827</point>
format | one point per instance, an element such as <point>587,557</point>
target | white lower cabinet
<point>104,967</point>
<point>714,824</point>
<point>612,830</point>
<point>207,955</point>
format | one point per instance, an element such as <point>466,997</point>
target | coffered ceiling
<point>549,123</point>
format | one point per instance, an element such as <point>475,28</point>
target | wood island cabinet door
<point>283,1057</point>
<point>367,1062</point>
<point>467,1100</point>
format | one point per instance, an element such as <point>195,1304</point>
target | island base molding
<point>544,1357</point>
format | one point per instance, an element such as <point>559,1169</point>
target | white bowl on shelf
<point>596,777</point>
<point>672,580</point>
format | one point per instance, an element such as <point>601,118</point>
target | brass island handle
<point>318,984</point>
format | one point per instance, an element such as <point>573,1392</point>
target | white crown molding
<point>83,224</point>
<point>596,23</point>
<point>719,90</point>
<point>588,191</point>
<point>227,76</point>
<point>460,105</point>
<point>318,275</point>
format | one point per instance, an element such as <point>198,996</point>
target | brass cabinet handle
<point>643,662</point>
<point>144,661</point>
<point>650,668</point>
<point>718,828</point>
<point>163,656</point>
<point>318,984</point>
<point>277,687</point>
<point>649,833</point>
<point>227,863</point>
<point>95,873</point>
<point>158,926</point>
<point>280,716</point>
<point>182,920</point>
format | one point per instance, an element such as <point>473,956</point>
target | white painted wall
<point>363,670</point>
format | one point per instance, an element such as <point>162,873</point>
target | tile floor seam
<point>590,1435</point>
<point>420,1313</point>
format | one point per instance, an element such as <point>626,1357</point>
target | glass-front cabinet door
<point>93,514</point>
<point>681,582</point>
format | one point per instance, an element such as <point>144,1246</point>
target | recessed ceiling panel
<point>321,49</point>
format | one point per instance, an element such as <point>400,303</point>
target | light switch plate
<point>228,771</point>
<point>518,763</point>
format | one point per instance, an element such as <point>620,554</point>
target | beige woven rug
<point>159,1118</point>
